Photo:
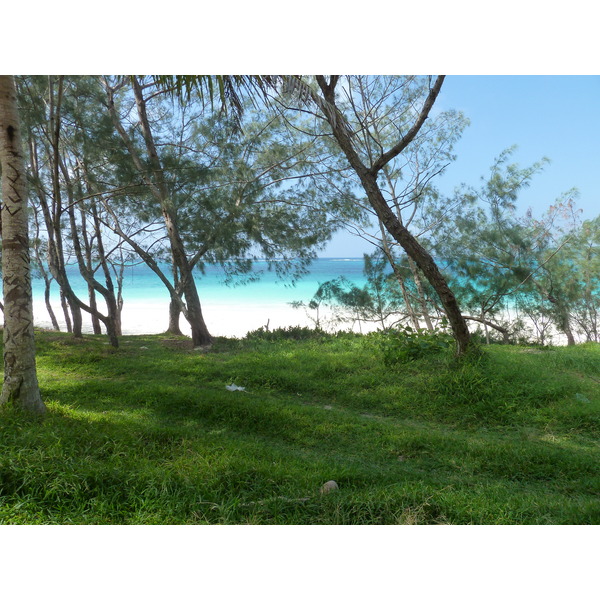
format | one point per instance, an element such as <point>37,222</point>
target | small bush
<point>295,332</point>
<point>405,345</point>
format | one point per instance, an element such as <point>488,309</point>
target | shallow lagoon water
<point>230,310</point>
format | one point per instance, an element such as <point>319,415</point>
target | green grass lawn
<point>149,434</point>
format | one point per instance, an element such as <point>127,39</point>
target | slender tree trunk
<point>65,309</point>
<point>96,327</point>
<point>485,327</point>
<point>87,248</point>
<point>118,317</point>
<point>47,280</point>
<point>560,310</point>
<point>399,278</point>
<point>565,325</point>
<point>424,261</point>
<point>87,274</point>
<point>420,293</point>
<point>20,387</point>
<point>55,240</point>
<point>193,314</point>
<point>47,283</point>
<point>174,307</point>
<point>486,323</point>
<point>406,297</point>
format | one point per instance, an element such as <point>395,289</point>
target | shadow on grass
<point>140,435</point>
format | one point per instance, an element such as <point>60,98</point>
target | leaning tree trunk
<point>368,178</point>
<point>49,308</point>
<point>200,334</point>
<point>158,187</point>
<point>20,387</point>
<point>399,278</point>
<point>422,259</point>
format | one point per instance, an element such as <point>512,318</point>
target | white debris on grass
<point>235,388</point>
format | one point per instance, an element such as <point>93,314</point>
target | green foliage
<point>379,300</point>
<point>399,346</point>
<point>293,332</point>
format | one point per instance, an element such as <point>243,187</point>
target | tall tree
<point>66,134</point>
<point>226,194</point>
<point>498,260</point>
<point>352,128</point>
<point>20,387</point>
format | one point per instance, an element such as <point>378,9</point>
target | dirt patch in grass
<point>184,344</point>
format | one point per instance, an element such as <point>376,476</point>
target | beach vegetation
<point>130,169</point>
<point>150,433</point>
<point>516,277</point>
<point>364,105</point>
<point>175,186</point>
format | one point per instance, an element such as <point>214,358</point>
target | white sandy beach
<point>222,319</point>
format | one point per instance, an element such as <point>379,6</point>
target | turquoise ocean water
<point>142,285</point>
<point>230,310</point>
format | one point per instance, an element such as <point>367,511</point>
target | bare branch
<point>408,138</point>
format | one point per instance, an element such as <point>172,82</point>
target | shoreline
<point>226,319</point>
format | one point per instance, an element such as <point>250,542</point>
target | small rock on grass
<point>329,486</point>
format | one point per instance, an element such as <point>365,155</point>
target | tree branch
<point>408,138</point>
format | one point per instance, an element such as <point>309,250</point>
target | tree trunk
<point>96,327</point>
<point>47,280</point>
<point>174,307</point>
<point>565,325</point>
<point>87,274</point>
<point>423,260</point>
<point>200,333</point>
<point>409,308</point>
<point>56,255</point>
<point>421,294</point>
<point>47,283</point>
<point>388,253</point>
<point>174,314</point>
<point>65,309</point>
<point>193,314</point>
<point>486,323</point>
<point>20,387</point>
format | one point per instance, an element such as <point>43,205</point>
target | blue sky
<point>553,116</point>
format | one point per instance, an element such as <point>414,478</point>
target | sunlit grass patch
<point>154,436</point>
